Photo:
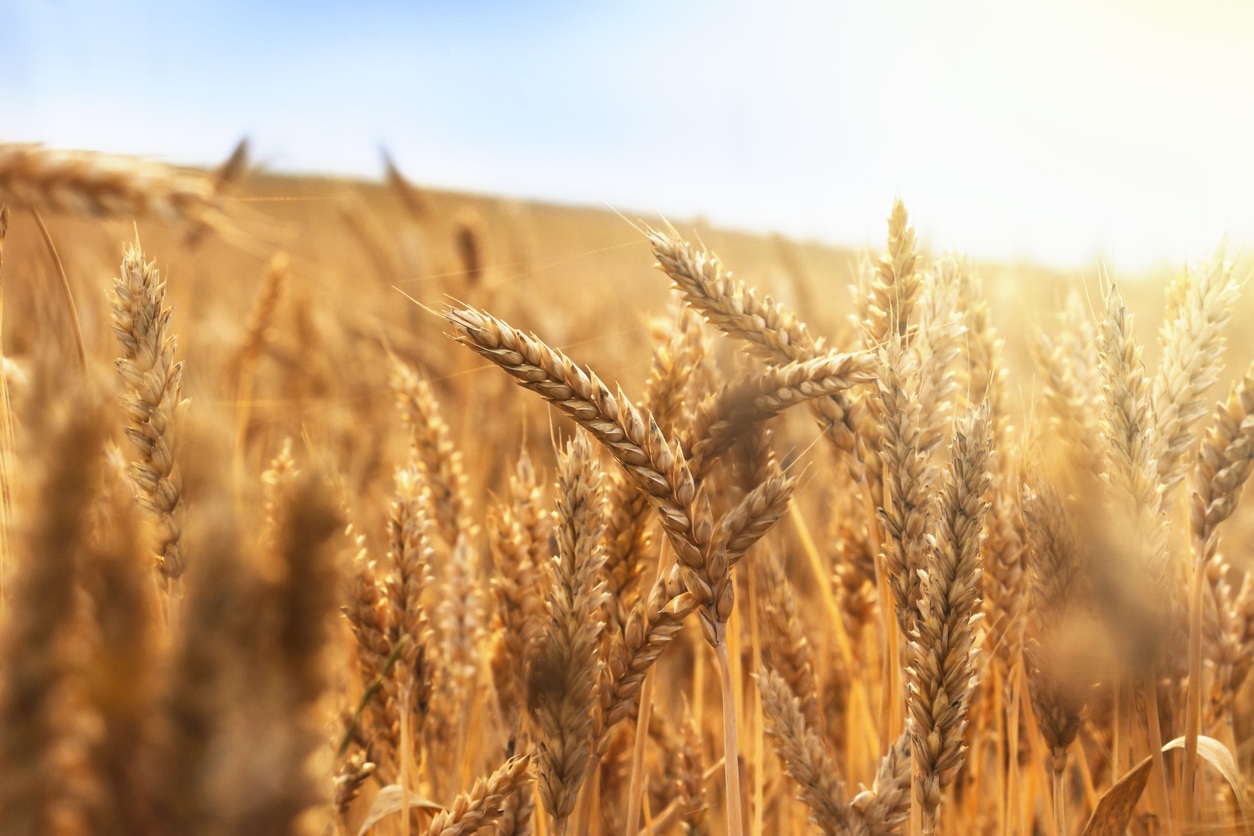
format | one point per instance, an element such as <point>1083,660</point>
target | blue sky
<point>1055,132</point>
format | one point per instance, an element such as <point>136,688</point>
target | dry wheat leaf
<point>388,801</point>
<point>1219,756</point>
<point>1114,808</point>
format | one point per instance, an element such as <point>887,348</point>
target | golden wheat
<point>417,600</point>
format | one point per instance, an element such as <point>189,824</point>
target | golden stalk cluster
<point>312,569</point>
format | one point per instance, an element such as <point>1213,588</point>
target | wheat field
<point>334,507</point>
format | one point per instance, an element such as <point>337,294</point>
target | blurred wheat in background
<point>869,544</point>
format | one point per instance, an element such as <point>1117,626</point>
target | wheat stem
<point>66,293</point>
<point>635,794</point>
<point>1060,802</point>
<point>731,775</point>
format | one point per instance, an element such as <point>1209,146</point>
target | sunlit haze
<point>1057,132</point>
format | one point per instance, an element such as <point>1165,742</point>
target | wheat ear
<point>1054,575</point>
<point>1223,465</point>
<point>369,617</point>
<point>943,650</point>
<point>440,461</point>
<point>772,332</point>
<point>1072,391</point>
<point>35,658</point>
<point>787,651</point>
<point>155,384</point>
<point>1193,347</point>
<point>410,557</point>
<point>650,628</point>
<point>34,177</point>
<point>638,446</point>
<point>485,802</point>
<point>302,602</point>
<point>519,539</point>
<point>256,337</point>
<point>907,479</point>
<point>567,666</point>
<point>741,404</point>
<point>896,285</point>
<point>1131,458</point>
<point>805,758</point>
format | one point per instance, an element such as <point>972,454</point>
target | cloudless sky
<point>1048,131</point>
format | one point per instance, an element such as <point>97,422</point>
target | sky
<point>1062,132</point>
